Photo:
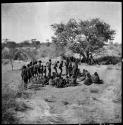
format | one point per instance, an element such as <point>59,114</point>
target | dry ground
<point>80,104</point>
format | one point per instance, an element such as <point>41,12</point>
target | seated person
<point>83,75</point>
<point>96,79</point>
<point>51,81</point>
<point>88,80</point>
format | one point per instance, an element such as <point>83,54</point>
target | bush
<point>108,60</point>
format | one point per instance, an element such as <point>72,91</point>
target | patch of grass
<point>8,106</point>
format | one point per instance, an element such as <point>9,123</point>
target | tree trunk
<point>11,61</point>
<point>84,57</point>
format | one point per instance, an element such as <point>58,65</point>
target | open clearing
<point>79,104</point>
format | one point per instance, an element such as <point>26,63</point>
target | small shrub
<point>94,90</point>
<point>65,102</point>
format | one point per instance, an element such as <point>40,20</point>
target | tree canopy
<point>83,36</point>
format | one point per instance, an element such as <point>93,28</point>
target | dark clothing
<point>95,79</point>
<point>55,67</point>
<point>88,81</point>
<point>41,70</point>
<point>70,69</point>
<point>75,70</point>
<point>24,77</point>
<point>45,71</point>
<point>60,67</point>
<point>49,68</point>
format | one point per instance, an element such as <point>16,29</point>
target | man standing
<point>24,76</point>
<point>60,67</point>
<point>70,69</point>
<point>67,66</point>
<point>75,69</point>
<point>45,71</point>
<point>55,66</point>
<point>49,63</point>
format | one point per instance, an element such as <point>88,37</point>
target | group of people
<point>52,73</point>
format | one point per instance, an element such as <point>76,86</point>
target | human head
<point>96,73</point>
<point>88,75</point>
<point>23,67</point>
<point>40,61</point>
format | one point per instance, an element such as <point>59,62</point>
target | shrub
<point>108,60</point>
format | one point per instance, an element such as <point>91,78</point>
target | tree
<point>12,49</point>
<point>35,43</point>
<point>83,36</point>
<point>48,42</point>
<point>5,40</point>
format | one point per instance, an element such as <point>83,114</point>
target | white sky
<point>25,21</point>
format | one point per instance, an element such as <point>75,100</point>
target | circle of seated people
<point>36,72</point>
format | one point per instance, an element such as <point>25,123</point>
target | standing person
<point>36,69</point>
<point>60,67</point>
<point>45,71</point>
<point>75,69</point>
<point>67,66</point>
<point>24,76</point>
<point>39,67</point>
<point>55,66</point>
<point>41,70</point>
<point>70,69</point>
<point>49,67</point>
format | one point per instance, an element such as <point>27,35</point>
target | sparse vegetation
<point>67,42</point>
<point>8,105</point>
<point>108,60</point>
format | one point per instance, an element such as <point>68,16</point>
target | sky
<point>26,21</point>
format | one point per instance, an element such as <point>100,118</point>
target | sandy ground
<point>80,104</point>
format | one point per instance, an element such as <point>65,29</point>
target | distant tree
<point>12,49</point>
<point>47,42</point>
<point>26,42</point>
<point>35,43</point>
<point>3,45</point>
<point>5,40</point>
<point>95,32</point>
